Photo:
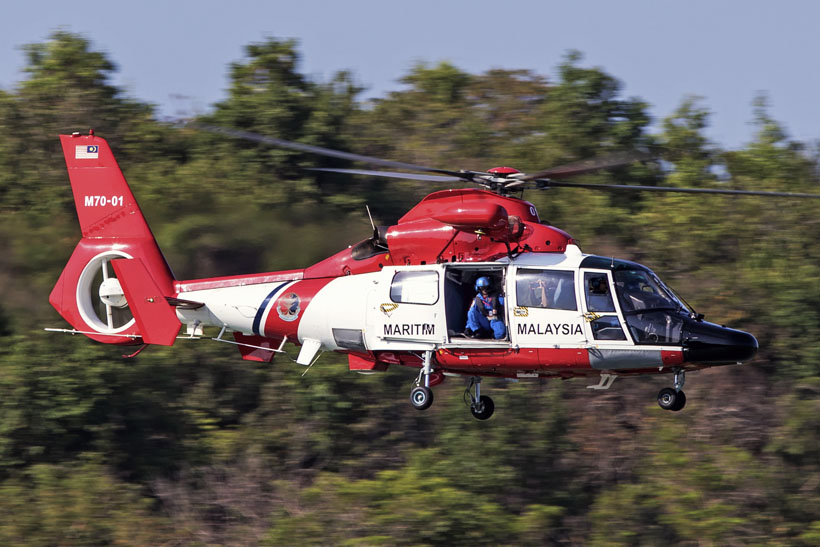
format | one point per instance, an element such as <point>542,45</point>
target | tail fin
<point>88,293</point>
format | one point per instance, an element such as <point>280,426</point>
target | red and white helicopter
<point>566,314</point>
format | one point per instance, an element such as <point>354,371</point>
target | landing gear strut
<point>673,399</point>
<point>421,396</point>
<point>481,406</point>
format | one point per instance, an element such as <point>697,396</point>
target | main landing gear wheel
<point>481,406</point>
<point>483,409</point>
<point>421,397</point>
<point>669,399</point>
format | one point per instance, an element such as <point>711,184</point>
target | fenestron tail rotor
<point>100,298</point>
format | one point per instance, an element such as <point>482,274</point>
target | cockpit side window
<point>598,297</point>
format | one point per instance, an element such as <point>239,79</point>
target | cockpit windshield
<point>642,290</point>
<point>652,312</point>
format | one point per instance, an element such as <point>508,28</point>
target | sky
<point>176,53</point>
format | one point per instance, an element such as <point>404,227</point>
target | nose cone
<point>709,343</point>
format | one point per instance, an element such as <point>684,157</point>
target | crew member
<point>538,292</point>
<point>598,297</point>
<point>487,312</point>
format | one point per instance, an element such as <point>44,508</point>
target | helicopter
<point>557,312</point>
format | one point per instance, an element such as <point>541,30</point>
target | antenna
<point>378,242</point>
<point>375,231</point>
<point>376,234</point>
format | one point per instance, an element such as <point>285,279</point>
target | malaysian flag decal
<point>86,152</point>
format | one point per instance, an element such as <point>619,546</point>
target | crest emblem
<point>289,306</point>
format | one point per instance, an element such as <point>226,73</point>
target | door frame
<point>589,316</point>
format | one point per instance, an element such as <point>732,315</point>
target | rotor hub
<point>111,293</point>
<point>501,171</point>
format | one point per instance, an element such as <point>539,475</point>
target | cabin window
<point>551,289</point>
<point>415,287</point>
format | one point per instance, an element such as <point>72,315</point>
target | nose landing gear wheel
<point>483,409</point>
<point>421,397</point>
<point>669,399</point>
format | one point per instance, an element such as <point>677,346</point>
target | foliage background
<point>192,445</point>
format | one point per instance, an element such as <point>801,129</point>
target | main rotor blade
<point>672,189</point>
<point>392,174</point>
<point>591,164</point>
<point>319,150</point>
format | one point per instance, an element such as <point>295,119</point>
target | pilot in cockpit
<point>598,297</point>
<point>634,297</point>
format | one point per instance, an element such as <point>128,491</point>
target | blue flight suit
<point>477,319</point>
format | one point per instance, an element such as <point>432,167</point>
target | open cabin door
<point>407,306</point>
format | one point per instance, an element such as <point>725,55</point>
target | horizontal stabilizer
<point>257,348</point>
<point>183,304</point>
<point>156,319</point>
